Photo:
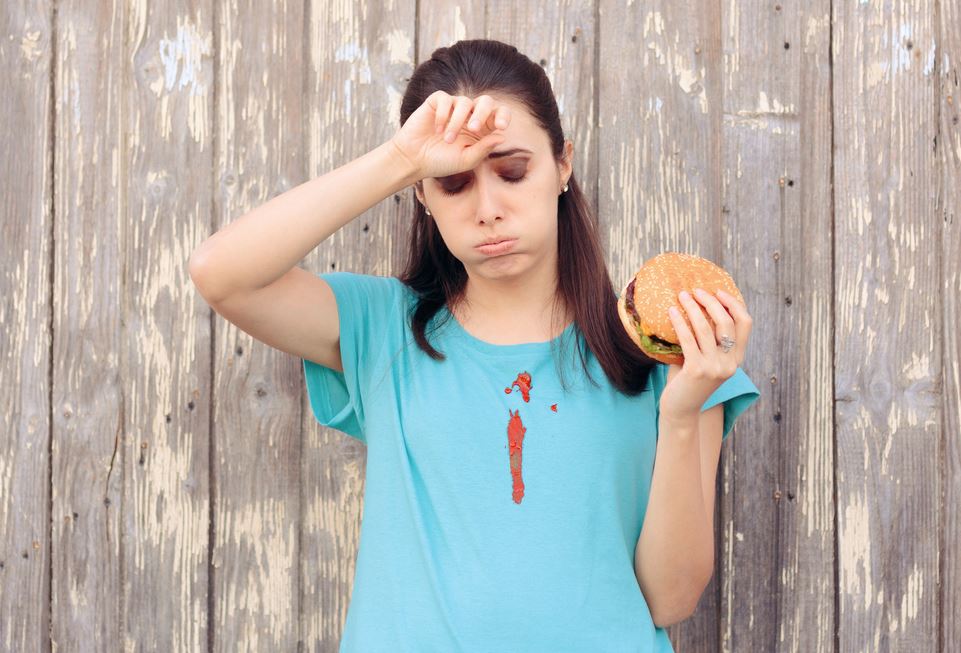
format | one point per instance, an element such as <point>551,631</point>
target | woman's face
<point>513,196</point>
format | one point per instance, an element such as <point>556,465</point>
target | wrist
<point>401,163</point>
<point>679,425</point>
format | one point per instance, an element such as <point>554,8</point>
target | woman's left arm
<point>674,556</point>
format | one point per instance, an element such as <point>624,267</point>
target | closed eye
<point>510,180</point>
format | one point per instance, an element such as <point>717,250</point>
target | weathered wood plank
<point>947,150</point>
<point>887,363</point>
<point>257,390</point>
<point>26,186</point>
<point>798,381</point>
<point>89,348</point>
<point>658,139</point>
<point>777,575</point>
<point>165,365</point>
<point>760,217</point>
<point>360,59</point>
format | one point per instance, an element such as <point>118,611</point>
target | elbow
<point>679,607</point>
<point>199,273</point>
<point>197,263</point>
<point>669,618</point>
<point>195,266</point>
<point>674,614</point>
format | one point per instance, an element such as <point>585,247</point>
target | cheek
<point>455,238</point>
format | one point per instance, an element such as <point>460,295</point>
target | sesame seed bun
<point>655,288</point>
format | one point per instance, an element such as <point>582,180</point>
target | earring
<point>427,209</point>
<point>565,188</point>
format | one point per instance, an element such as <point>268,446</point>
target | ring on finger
<point>727,343</point>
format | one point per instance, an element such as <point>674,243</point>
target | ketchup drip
<point>515,439</point>
<point>523,383</point>
<point>515,433</point>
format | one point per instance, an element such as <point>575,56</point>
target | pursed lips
<point>495,241</point>
<point>497,249</point>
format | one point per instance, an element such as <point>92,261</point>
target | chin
<point>500,267</point>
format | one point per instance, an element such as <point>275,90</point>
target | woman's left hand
<point>706,365</point>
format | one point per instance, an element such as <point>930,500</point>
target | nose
<point>488,205</point>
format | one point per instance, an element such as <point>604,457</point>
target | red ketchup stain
<point>515,439</point>
<point>516,431</point>
<point>523,383</point>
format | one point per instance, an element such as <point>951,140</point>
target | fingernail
<point>449,137</point>
<point>685,295</point>
<point>673,311</point>
<point>473,124</point>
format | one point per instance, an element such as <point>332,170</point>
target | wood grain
<point>257,463</point>
<point>167,122</point>
<point>888,416</point>
<point>28,421</point>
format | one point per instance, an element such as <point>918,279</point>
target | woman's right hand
<point>421,140</point>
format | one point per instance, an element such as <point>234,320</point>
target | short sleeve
<point>737,394</point>
<point>364,303</point>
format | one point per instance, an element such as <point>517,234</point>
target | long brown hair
<point>478,66</point>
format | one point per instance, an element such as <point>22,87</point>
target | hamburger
<point>644,303</point>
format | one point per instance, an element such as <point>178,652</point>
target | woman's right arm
<point>248,270</point>
<point>264,244</point>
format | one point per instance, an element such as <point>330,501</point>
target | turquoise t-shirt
<point>493,521</point>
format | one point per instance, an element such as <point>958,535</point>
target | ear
<point>566,167</point>
<point>419,191</point>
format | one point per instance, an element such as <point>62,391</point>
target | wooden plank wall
<point>163,485</point>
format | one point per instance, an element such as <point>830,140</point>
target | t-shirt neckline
<point>490,348</point>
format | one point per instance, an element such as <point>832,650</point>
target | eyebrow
<point>492,155</point>
<point>498,155</point>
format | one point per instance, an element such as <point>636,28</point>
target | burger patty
<point>629,299</point>
<point>635,318</point>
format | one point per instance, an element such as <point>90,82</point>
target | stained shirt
<point>501,510</point>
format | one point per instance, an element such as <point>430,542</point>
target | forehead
<point>523,130</point>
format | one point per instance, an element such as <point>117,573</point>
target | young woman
<point>513,498</point>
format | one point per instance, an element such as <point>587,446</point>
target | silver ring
<point>727,343</point>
